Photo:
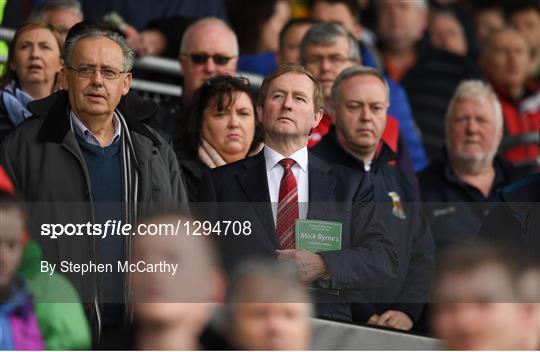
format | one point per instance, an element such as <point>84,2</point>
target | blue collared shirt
<point>83,132</point>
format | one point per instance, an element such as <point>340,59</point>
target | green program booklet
<point>317,235</point>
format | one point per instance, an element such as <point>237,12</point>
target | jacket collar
<point>522,195</point>
<point>383,155</point>
<point>524,190</point>
<point>55,110</point>
<point>503,171</point>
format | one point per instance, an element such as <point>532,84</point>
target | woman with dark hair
<point>222,128</point>
<point>31,69</point>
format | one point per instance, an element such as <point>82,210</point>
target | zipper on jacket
<point>93,253</point>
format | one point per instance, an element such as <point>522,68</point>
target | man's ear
<point>219,287</point>
<point>500,135</point>
<point>259,113</point>
<point>333,106</point>
<point>181,62</point>
<point>126,83</point>
<point>318,118</point>
<point>424,19</point>
<point>357,30</point>
<point>62,76</point>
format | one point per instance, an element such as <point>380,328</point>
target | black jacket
<point>6,125</point>
<point>430,84</point>
<point>192,168</point>
<point>368,257</point>
<point>455,209</point>
<point>515,224</point>
<point>408,229</point>
<point>43,158</point>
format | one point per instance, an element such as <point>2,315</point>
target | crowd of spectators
<point>405,131</point>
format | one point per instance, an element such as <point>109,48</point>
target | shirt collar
<point>272,158</point>
<point>500,178</point>
<point>83,132</point>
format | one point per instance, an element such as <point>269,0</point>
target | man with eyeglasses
<point>85,161</point>
<point>326,50</point>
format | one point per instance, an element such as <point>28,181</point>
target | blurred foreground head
<point>478,302</point>
<point>173,309</point>
<point>12,237</point>
<point>268,308</point>
<point>529,286</point>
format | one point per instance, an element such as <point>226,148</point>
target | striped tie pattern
<point>287,211</point>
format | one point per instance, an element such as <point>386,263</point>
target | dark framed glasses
<point>201,59</point>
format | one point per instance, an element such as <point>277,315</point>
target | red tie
<point>287,211</point>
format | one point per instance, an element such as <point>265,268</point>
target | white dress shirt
<point>274,173</point>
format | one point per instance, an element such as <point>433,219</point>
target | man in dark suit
<point>284,183</point>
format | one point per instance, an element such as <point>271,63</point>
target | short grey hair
<point>420,4</point>
<point>357,71</point>
<point>475,90</point>
<point>96,31</point>
<point>206,20</point>
<point>41,10</point>
<point>325,34</point>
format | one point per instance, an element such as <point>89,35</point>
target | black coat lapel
<point>321,188</point>
<point>56,125</point>
<point>254,183</point>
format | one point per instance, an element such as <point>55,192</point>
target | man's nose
<point>210,65</point>
<point>472,126</point>
<point>288,102</point>
<point>326,65</point>
<point>364,114</point>
<point>97,78</point>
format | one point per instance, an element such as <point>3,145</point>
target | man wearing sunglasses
<point>209,48</point>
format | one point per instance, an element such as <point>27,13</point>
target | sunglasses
<point>201,59</point>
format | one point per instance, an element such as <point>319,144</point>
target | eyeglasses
<point>224,80</point>
<point>333,59</point>
<point>88,72</point>
<point>201,59</point>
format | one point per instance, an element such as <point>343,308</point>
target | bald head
<point>209,48</point>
